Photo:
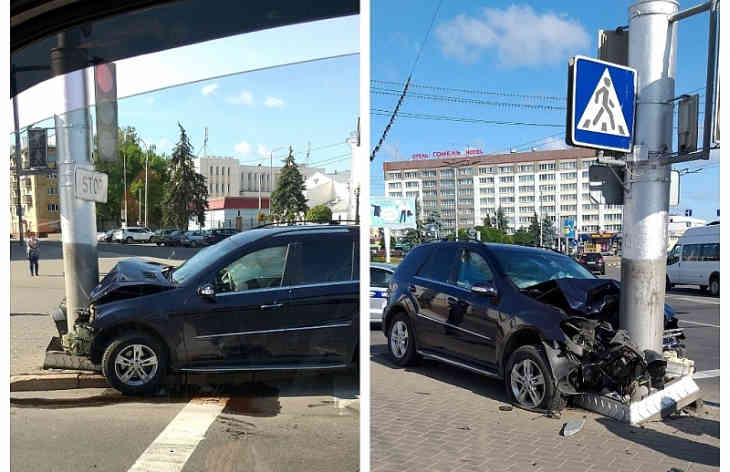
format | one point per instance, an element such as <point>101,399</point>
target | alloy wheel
<point>528,383</point>
<point>136,364</point>
<point>399,339</point>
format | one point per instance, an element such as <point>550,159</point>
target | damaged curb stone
<point>47,382</point>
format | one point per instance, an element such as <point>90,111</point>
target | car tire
<point>129,240</point>
<point>131,346</point>
<point>530,361</point>
<point>715,286</point>
<point>401,340</point>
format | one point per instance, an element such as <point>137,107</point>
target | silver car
<point>380,275</point>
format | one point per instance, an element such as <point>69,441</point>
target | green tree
<point>319,214</point>
<point>186,194</point>
<point>488,221</point>
<point>534,229</point>
<point>549,233</point>
<point>523,237</point>
<point>287,200</point>
<point>434,218</point>
<point>491,235</point>
<point>500,220</point>
<point>109,214</point>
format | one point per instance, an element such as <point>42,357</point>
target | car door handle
<point>274,305</point>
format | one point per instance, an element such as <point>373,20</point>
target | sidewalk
<point>433,417</point>
<point>32,298</point>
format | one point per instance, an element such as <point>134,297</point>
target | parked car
<point>105,236</point>
<point>514,313</point>
<point>159,235</point>
<point>173,239</point>
<point>695,259</point>
<point>193,239</point>
<point>217,235</point>
<point>276,298</point>
<point>132,234</point>
<point>594,262</point>
<point>380,275</point>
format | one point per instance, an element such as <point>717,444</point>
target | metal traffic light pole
<point>652,52</point>
<point>78,217</point>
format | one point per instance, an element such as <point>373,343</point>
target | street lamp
<point>259,175</point>
<point>146,165</point>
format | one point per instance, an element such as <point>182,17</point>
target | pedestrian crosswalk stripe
<point>603,113</point>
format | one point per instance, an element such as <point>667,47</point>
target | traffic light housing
<point>105,88</point>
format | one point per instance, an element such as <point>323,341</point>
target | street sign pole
<point>78,217</point>
<point>18,160</point>
<point>652,52</point>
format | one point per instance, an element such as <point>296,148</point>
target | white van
<point>695,259</point>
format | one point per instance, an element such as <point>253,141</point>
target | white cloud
<point>243,147</point>
<point>243,98</point>
<point>551,144</point>
<point>262,150</point>
<point>208,89</point>
<point>520,36</point>
<point>274,102</point>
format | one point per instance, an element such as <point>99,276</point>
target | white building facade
<point>677,225</point>
<point>549,183</point>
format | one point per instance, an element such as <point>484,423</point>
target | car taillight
<point>600,260</point>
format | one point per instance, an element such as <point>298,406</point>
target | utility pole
<point>18,160</point>
<point>124,191</point>
<point>146,181</point>
<point>139,210</point>
<point>259,179</point>
<point>652,52</point>
<point>456,200</point>
<point>78,217</point>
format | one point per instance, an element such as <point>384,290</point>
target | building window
<point>567,207</point>
<point>584,174</point>
<point>428,173</point>
<point>527,178</point>
<point>547,177</point>
<point>547,166</point>
<point>429,183</point>
<point>396,194</point>
<point>446,173</point>
<point>527,209</point>
<point>229,188</point>
<point>568,175</point>
<point>411,184</point>
<point>506,189</point>
<point>392,175</point>
<point>410,175</point>
<point>506,200</point>
<point>466,171</point>
<point>411,194</point>
<point>568,187</point>
<point>570,197</point>
<point>547,188</point>
<point>526,168</point>
<point>229,172</point>
<point>465,181</point>
<point>507,179</point>
<point>394,185</point>
<point>547,198</point>
<point>568,165</point>
<point>527,189</point>
<point>506,170</point>
<point>211,170</point>
<point>486,190</point>
<point>527,199</point>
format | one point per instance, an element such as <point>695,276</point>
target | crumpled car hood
<point>131,278</point>
<point>591,298</point>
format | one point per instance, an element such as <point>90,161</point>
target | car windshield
<point>526,271</point>
<point>199,262</point>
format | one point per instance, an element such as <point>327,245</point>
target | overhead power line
<point>461,119</point>
<point>470,101</point>
<point>408,81</point>
<point>523,96</point>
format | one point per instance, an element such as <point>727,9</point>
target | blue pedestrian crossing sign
<point>601,105</point>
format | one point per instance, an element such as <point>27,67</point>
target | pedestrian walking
<point>32,251</point>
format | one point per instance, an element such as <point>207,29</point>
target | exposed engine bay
<point>596,356</point>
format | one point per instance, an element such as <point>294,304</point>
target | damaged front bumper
<point>79,342</point>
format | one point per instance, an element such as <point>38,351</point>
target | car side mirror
<point>484,288</point>
<point>207,291</point>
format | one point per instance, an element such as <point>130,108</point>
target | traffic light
<point>37,148</point>
<point>105,87</point>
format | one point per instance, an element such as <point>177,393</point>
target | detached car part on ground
<point>279,298</point>
<point>536,319</point>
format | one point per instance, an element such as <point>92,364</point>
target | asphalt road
<point>289,423</point>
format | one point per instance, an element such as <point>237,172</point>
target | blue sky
<point>242,89</point>
<point>508,48</point>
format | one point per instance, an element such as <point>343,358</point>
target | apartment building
<point>38,197</point>
<point>467,189</point>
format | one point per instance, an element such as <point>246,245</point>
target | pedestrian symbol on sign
<point>603,113</point>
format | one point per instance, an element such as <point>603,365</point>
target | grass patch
<point>393,260</point>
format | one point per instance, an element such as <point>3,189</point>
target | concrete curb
<point>28,314</point>
<point>46,382</point>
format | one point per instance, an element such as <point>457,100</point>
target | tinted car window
<point>380,278</point>
<point>691,252</point>
<point>471,269</point>
<point>525,270</point>
<point>259,269</point>
<point>439,266</point>
<point>328,259</point>
<point>710,252</point>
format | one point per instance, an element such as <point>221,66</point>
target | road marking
<point>700,324</point>
<point>707,374</point>
<point>702,300</point>
<point>177,442</point>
